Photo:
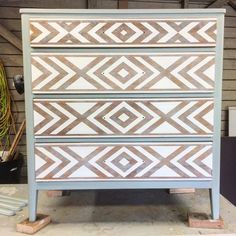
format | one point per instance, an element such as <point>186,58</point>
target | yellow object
<point>6,118</point>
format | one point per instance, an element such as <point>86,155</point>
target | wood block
<point>202,220</point>
<point>181,190</point>
<point>28,227</point>
<point>58,193</point>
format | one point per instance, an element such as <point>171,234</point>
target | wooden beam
<point>185,3</point>
<point>201,220</point>
<point>8,35</point>
<point>181,190</point>
<point>122,4</point>
<point>29,227</point>
<point>232,3</point>
<point>217,4</point>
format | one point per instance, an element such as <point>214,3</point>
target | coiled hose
<point>6,117</point>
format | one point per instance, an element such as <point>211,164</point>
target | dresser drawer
<point>71,32</point>
<point>129,161</point>
<point>110,72</point>
<point>123,117</point>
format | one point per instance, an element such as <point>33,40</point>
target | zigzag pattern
<point>114,117</point>
<point>123,161</point>
<point>136,32</point>
<point>153,72</point>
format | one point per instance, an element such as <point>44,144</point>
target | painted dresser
<point>123,99</point>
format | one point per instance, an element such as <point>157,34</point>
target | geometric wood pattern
<point>123,117</point>
<point>122,72</point>
<point>133,161</point>
<point>123,32</point>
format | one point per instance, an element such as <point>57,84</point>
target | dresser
<point>123,99</point>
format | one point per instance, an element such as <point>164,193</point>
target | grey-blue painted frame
<point>34,186</point>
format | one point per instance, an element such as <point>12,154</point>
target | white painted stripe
<point>76,32</point>
<point>203,33</point>
<point>44,32</point>
<point>61,32</point>
<point>53,72</point>
<point>71,164</point>
<point>65,123</point>
<point>94,34</point>
<point>49,124</point>
<point>151,29</point>
<point>56,163</point>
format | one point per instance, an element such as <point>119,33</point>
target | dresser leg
<point>215,203</point>
<point>33,200</point>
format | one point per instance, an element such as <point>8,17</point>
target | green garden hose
<point>6,118</point>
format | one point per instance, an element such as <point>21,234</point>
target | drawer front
<point>129,117</point>
<point>123,161</point>
<point>122,72</point>
<point>122,32</point>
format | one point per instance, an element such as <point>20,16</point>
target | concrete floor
<point>120,212</point>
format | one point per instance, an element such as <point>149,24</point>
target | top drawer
<point>71,32</point>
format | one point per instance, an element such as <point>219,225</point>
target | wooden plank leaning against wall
<point>12,57</point>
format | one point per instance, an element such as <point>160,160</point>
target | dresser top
<point>118,11</point>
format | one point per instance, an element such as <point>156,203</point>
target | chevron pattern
<point>122,33</point>
<point>116,72</point>
<point>123,161</point>
<point>116,117</point>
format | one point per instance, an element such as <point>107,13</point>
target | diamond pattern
<point>123,33</point>
<point>146,72</point>
<point>123,161</point>
<point>144,117</point>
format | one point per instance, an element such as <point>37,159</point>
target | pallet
<point>58,193</point>
<point>28,227</point>
<point>181,190</point>
<point>202,220</point>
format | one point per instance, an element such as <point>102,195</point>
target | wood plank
<point>92,4</point>
<point>229,10</point>
<point>45,3</point>
<point>223,133</point>
<point>10,12</point>
<point>229,75</point>
<point>224,115</point>
<point>185,3</point>
<point>16,96</point>
<point>10,83</point>
<point>22,141</point>
<point>228,103</point>
<point>229,43</point>
<point>229,85</point>
<point>8,49</point>
<point>230,22</point>
<point>12,60</point>
<point>217,4</point>
<point>58,193</point>
<point>20,106</point>
<point>229,33</point>
<point>12,24</point>
<point>224,124</point>
<point>28,227</point>
<point>232,3</point>
<point>122,4</point>
<point>111,4</point>
<point>201,220</point>
<point>229,64</point>
<point>5,33</point>
<point>13,70</point>
<point>19,117</point>
<point>229,95</point>
<point>181,190</point>
<point>230,54</point>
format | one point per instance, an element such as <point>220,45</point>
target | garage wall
<point>12,57</point>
